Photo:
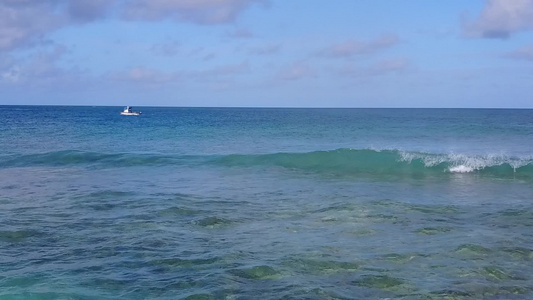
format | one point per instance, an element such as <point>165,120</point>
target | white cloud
<point>87,10</point>
<point>388,66</point>
<point>222,71</point>
<point>23,22</point>
<point>524,53</point>
<point>296,71</point>
<point>500,19</point>
<point>40,69</point>
<point>265,49</point>
<point>241,34</point>
<point>10,75</point>
<point>353,47</point>
<point>379,68</point>
<point>144,76</point>
<point>196,11</point>
<point>170,48</point>
<point>208,57</point>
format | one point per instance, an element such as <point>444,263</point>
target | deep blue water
<point>243,203</point>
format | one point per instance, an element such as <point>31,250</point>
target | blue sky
<point>267,53</point>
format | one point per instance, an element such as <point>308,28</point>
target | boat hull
<point>130,113</point>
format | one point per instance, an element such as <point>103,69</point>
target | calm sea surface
<point>223,203</point>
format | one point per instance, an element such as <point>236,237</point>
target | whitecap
<point>461,169</point>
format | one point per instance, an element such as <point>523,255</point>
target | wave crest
<point>74,157</point>
<point>393,162</point>
<point>336,162</point>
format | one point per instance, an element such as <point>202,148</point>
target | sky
<point>267,53</point>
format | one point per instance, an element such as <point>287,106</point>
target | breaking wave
<point>394,162</point>
<point>336,162</point>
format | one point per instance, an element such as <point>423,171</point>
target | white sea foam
<point>463,163</point>
<point>461,169</point>
<point>430,160</point>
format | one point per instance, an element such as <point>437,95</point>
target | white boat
<point>128,111</point>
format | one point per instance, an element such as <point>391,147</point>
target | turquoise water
<point>207,203</point>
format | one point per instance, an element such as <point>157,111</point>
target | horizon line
<point>265,107</point>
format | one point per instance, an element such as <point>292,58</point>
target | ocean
<point>264,203</point>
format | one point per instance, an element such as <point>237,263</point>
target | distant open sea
<point>246,203</point>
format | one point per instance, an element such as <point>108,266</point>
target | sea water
<point>245,203</point>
